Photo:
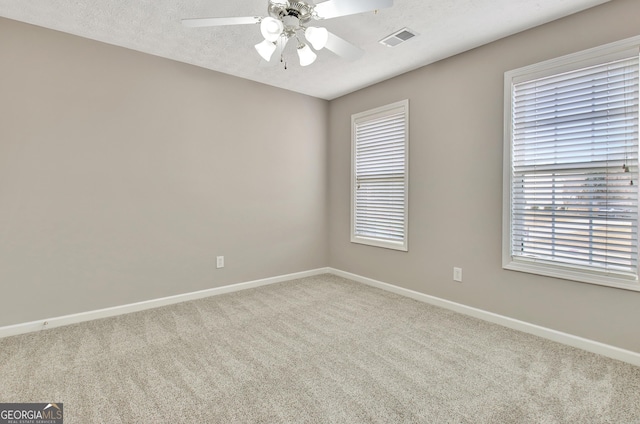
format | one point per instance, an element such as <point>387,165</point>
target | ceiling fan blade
<point>343,48</point>
<point>210,22</point>
<point>334,8</point>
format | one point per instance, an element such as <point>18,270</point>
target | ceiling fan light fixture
<point>318,37</point>
<point>271,28</point>
<point>266,49</point>
<point>306,55</point>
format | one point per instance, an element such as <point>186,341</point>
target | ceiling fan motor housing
<point>291,13</point>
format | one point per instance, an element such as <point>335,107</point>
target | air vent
<point>398,37</point>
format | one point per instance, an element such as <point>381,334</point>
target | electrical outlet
<point>457,274</point>
<point>219,261</point>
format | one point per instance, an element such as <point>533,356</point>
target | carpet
<point>321,349</point>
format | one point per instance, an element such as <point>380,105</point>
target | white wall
<point>123,175</point>
<point>455,197</point>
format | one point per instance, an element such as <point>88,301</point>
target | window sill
<point>402,246</point>
<point>619,281</point>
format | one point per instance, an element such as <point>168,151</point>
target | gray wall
<point>455,197</point>
<point>123,175</point>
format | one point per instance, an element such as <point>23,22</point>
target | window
<point>571,167</point>
<point>380,176</point>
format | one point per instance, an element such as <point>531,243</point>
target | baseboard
<point>28,327</point>
<point>547,333</point>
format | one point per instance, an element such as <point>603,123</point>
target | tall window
<point>571,167</point>
<point>380,176</point>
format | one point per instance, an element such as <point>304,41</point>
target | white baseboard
<point>28,327</point>
<point>547,333</point>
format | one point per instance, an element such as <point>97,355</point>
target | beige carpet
<point>316,350</point>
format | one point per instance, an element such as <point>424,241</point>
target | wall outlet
<point>219,261</point>
<point>457,274</point>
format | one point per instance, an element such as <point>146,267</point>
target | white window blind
<point>380,176</point>
<point>574,165</point>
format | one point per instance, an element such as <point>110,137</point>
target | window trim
<point>600,54</point>
<point>372,241</point>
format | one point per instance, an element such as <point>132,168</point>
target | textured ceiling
<point>445,28</point>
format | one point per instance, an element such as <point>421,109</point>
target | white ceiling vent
<point>398,37</point>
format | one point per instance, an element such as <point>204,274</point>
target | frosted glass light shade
<point>266,49</point>
<point>317,37</point>
<point>306,55</point>
<point>271,28</point>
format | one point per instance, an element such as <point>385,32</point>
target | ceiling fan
<point>290,20</point>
